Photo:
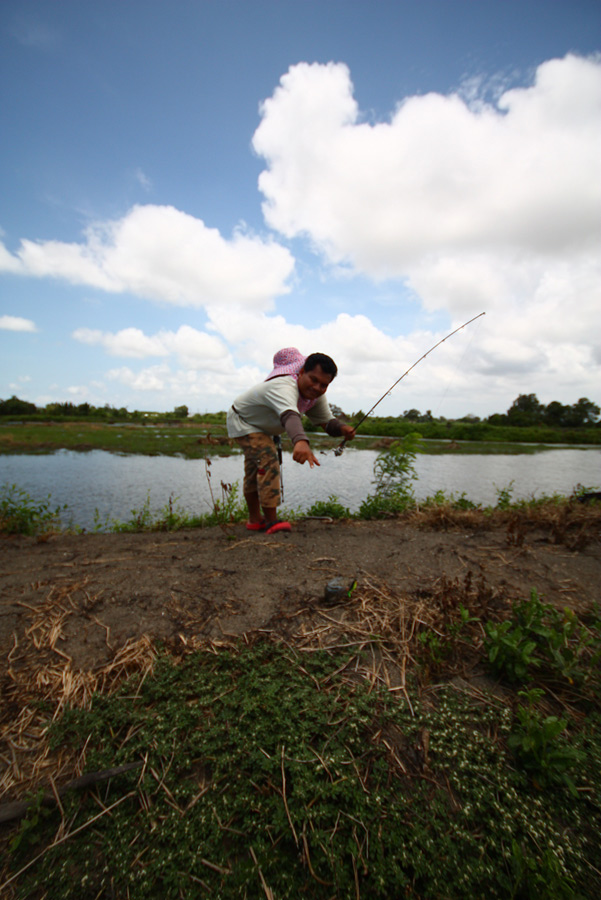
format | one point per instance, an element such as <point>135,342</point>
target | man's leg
<point>254,509</point>
<point>261,477</point>
<point>262,481</point>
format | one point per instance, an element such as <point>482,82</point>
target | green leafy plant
<point>537,744</point>
<point>433,646</point>
<point>375,506</point>
<point>25,834</point>
<point>504,500</point>
<point>441,498</point>
<point>329,508</point>
<point>394,468</point>
<point>456,628</point>
<point>511,651</point>
<point>555,643</point>
<point>21,514</point>
<point>140,519</point>
<point>537,875</point>
<point>394,471</point>
<point>266,766</point>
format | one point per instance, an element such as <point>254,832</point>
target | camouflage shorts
<point>261,468</point>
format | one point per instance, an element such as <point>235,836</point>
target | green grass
<point>189,441</point>
<point>482,448</point>
<point>481,431</point>
<point>195,440</point>
<point>269,769</point>
<point>20,514</point>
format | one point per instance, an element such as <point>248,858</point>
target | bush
<point>330,508</point>
<point>21,514</point>
<point>394,468</point>
<point>394,471</point>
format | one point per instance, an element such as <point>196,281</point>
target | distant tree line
<point>16,407</point>
<point>526,411</point>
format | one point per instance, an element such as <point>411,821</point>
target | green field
<point>196,440</point>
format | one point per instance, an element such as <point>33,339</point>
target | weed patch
<point>537,639</point>
<point>20,514</point>
<point>267,771</point>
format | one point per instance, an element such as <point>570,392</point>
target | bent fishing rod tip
<point>338,451</point>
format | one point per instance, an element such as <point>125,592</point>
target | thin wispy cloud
<point>143,180</point>
<point>31,31</point>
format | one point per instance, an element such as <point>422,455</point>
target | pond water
<point>101,486</point>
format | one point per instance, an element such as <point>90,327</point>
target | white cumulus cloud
<point>441,176</point>
<point>194,349</point>
<point>16,323</point>
<point>161,253</point>
<point>478,206</point>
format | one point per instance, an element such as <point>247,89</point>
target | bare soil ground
<point>204,584</point>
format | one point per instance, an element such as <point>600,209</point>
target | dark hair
<point>328,366</point>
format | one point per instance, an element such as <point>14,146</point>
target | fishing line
<point>338,451</point>
<point>457,368</point>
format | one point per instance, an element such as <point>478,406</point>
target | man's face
<point>313,384</point>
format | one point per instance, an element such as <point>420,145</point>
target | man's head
<point>316,375</point>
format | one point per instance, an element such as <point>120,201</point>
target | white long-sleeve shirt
<point>262,406</point>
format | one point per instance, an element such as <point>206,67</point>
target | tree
<point>181,412</point>
<point>581,414</point>
<point>15,407</point>
<point>525,410</point>
<point>555,414</point>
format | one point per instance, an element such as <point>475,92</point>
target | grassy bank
<point>21,514</point>
<point>197,440</point>
<point>192,441</point>
<point>482,431</point>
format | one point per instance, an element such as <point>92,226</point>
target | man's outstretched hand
<point>302,453</point>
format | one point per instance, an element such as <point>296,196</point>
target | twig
<point>294,834</point>
<point>311,869</point>
<point>19,808</point>
<point>63,839</point>
<point>215,867</point>
<point>266,888</point>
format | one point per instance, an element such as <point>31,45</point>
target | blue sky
<point>187,187</point>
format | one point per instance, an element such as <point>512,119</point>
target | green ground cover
<point>264,771</point>
<point>192,441</point>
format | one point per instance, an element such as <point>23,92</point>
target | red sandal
<point>256,526</point>
<point>278,525</point>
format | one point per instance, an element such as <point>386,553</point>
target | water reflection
<point>114,485</point>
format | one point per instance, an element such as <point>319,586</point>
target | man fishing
<point>296,386</point>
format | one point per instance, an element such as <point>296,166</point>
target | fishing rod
<point>338,450</point>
